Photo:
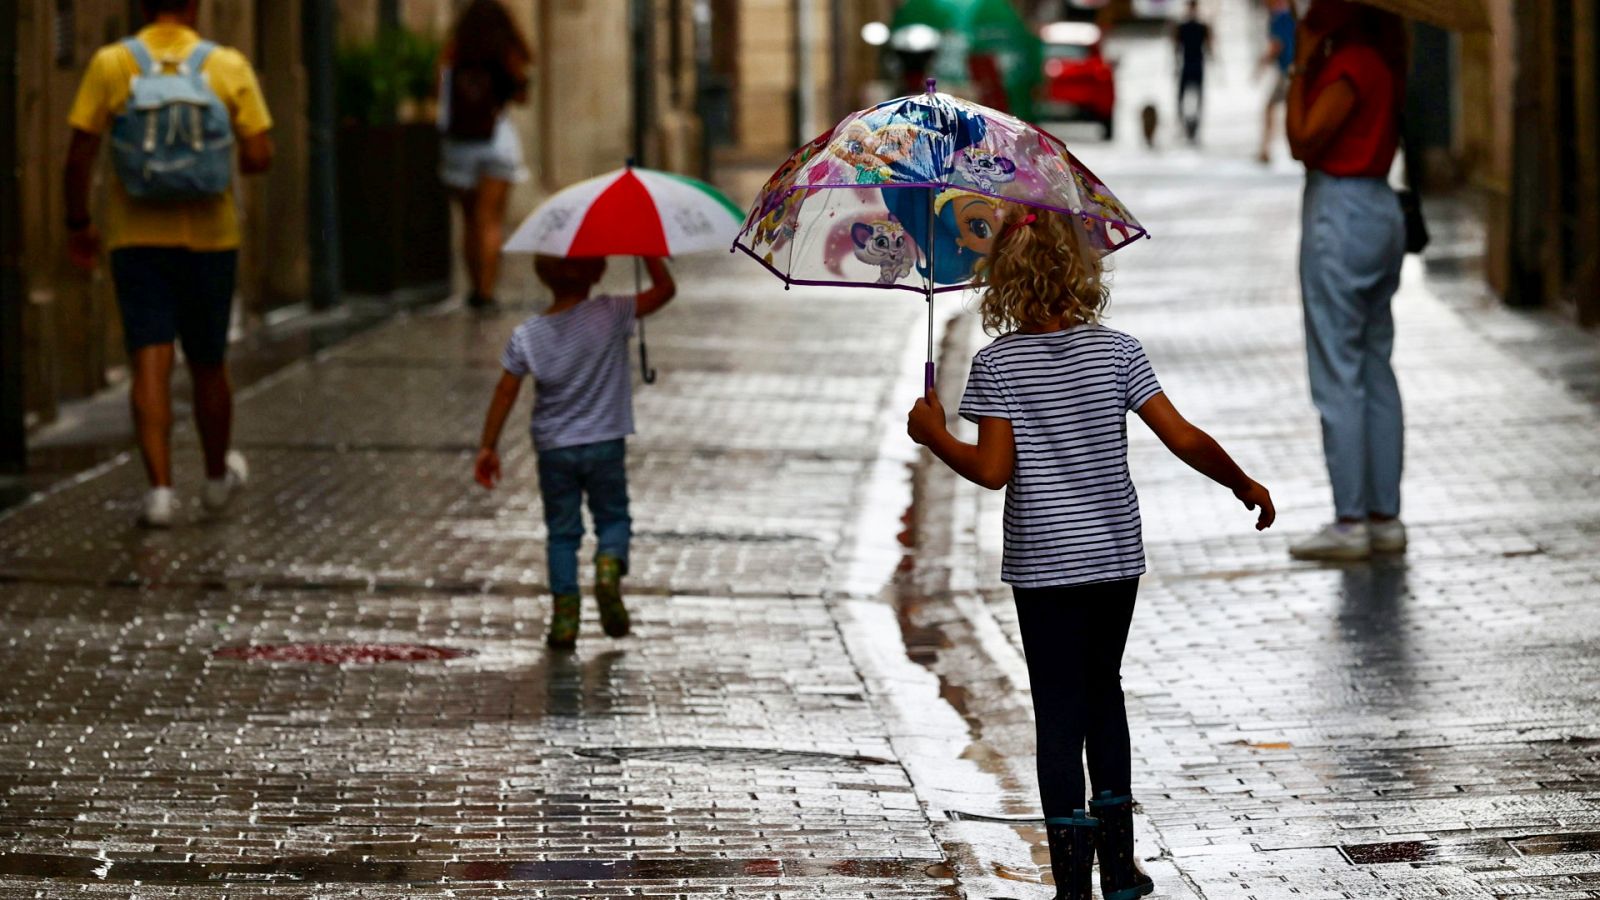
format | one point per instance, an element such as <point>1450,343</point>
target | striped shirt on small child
<point>583,382</point>
<point>1071,516</point>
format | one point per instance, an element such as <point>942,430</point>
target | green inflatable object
<point>990,28</point>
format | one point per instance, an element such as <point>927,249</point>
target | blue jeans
<point>1351,245</point>
<point>566,474</point>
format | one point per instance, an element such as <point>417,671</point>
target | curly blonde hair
<point>1038,272</point>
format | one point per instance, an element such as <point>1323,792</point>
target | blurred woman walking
<point>1344,124</point>
<point>484,71</point>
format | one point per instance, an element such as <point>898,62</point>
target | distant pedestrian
<point>175,106</point>
<point>576,352</point>
<point>1050,397</point>
<point>1344,124</point>
<point>484,71</point>
<point>1192,40</point>
<point>1278,59</point>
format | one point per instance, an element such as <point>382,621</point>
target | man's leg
<point>204,314</point>
<point>151,398</point>
<point>147,296</point>
<point>213,414</point>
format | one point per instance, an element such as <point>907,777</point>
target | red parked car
<point>1079,85</point>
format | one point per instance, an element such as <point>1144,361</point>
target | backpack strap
<point>198,56</point>
<point>141,55</point>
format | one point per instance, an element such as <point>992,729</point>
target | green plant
<point>373,77</point>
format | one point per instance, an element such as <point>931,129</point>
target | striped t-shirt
<point>583,384</point>
<point>1072,516</point>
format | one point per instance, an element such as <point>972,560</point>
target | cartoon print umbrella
<point>629,212</point>
<point>908,195</point>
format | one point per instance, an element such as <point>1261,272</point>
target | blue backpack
<point>174,141</point>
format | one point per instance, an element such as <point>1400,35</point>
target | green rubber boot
<point>564,621</point>
<point>608,596</point>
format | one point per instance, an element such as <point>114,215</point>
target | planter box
<point>394,214</point>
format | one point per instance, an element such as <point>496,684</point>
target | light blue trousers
<point>1351,245</point>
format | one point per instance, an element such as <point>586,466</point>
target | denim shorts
<point>171,294</point>
<point>463,164</point>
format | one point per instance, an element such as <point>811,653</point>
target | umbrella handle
<point>927,377</point>
<point>645,372</point>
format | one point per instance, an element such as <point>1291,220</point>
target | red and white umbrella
<point>630,212</point>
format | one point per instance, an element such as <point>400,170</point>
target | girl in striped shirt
<point>1050,397</point>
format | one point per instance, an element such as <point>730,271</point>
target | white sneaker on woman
<point>159,505</point>
<point>1337,541</point>
<point>220,491</point>
<point>1388,536</point>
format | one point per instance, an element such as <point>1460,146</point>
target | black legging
<point>1073,637</point>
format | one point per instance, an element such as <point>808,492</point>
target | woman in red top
<point>1344,124</point>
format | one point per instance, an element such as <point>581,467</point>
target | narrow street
<point>825,694</point>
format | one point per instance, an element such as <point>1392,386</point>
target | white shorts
<point>463,164</point>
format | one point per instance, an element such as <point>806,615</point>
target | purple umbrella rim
<point>943,185</point>
<point>921,291</point>
<point>812,282</point>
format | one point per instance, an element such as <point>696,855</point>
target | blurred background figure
<point>483,71</point>
<point>1277,59</point>
<point>1193,44</point>
<point>172,227</point>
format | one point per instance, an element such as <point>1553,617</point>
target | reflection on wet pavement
<point>328,871</point>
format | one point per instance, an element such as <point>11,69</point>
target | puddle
<point>736,756</point>
<point>322,870</point>
<point>1426,852</point>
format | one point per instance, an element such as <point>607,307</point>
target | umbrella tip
<point>932,83</point>
<point>629,163</point>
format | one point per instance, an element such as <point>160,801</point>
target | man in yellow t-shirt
<point>173,262</point>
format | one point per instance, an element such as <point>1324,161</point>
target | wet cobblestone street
<point>729,745</point>
<point>825,694</point>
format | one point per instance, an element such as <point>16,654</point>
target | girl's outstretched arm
<point>1206,456</point>
<point>987,463</point>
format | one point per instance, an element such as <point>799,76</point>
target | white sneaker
<point>1387,537</point>
<point>219,492</point>
<point>1336,541</point>
<point>159,505</point>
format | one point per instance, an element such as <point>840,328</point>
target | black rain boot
<point>1072,855</point>
<point>1120,875</point>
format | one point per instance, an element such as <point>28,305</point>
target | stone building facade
<point>1529,136</point>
